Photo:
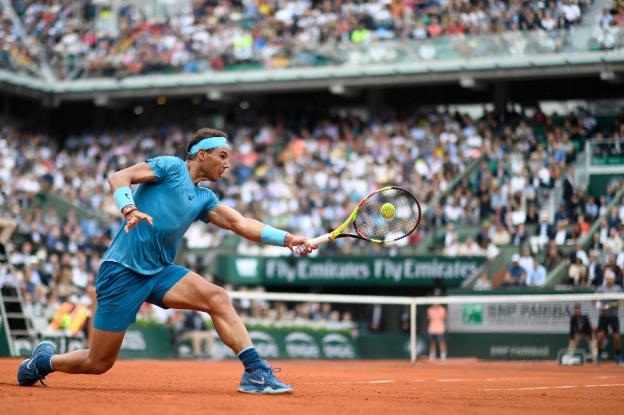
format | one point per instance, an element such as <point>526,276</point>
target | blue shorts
<point>121,292</point>
<point>436,337</point>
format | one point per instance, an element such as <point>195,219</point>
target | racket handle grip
<point>320,239</point>
<point>316,241</point>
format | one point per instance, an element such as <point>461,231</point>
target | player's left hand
<point>135,217</point>
<point>299,245</point>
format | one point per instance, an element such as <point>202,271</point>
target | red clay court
<point>459,386</point>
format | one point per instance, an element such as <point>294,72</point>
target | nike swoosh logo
<point>257,382</point>
<point>29,367</point>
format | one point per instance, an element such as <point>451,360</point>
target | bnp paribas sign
<point>347,270</point>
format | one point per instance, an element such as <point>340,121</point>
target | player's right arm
<point>228,218</point>
<point>120,186</point>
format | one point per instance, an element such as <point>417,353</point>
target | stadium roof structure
<point>604,64</point>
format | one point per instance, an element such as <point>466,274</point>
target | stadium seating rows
<point>81,39</point>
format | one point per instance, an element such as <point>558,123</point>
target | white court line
<point>531,388</point>
<point>517,378</point>
<point>553,387</point>
<point>486,379</point>
<point>358,382</point>
<point>603,377</point>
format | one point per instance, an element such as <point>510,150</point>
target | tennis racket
<point>384,216</point>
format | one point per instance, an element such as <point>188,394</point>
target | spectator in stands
<point>583,225</point>
<point>614,221</point>
<point>562,234</point>
<point>553,256</point>
<point>375,318</point>
<point>581,329</point>
<point>606,34</point>
<point>594,269</point>
<point>603,231</point>
<point>581,254</point>
<point>526,260</point>
<point>484,283</point>
<point>536,277</point>
<point>518,235</point>
<point>325,312</point>
<point>562,215</point>
<point>544,234</point>
<point>501,235</point>
<point>453,248</point>
<point>613,243</point>
<point>436,315</point>
<point>470,248</point>
<point>577,273</point>
<point>194,329</point>
<point>532,217</point>
<point>451,235</point>
<point>516,275</point>
<point>612,265</point>
<point>591,208</point>
<point>568,191</point>
<point>404,320</point>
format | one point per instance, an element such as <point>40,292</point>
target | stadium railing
<point>492,267</point>
<point>605,153</point>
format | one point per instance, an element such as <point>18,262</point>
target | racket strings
<point>370,223</point>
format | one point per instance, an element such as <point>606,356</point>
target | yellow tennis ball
<point>388,210</point>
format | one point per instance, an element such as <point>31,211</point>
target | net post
<point>413,331</point>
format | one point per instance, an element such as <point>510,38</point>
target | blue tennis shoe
<point>263,381</point>
<point>28,374</point>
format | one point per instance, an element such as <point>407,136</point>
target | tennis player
<point>138,265</point>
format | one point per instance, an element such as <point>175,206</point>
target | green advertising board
<point>346,271</point>
<point>155,341</point>
<point>291,344</point>
<point>63,343</point>
<point>516,346</point>
<point>4,345</point>
<point>147,341</point>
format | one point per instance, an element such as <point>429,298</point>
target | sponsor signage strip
<point>510,317</point>
<point>347,271</point>
<point>517,346</point>
<point>286,344</point>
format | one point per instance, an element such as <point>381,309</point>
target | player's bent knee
<point>99,367</point>
<point>218,299</point>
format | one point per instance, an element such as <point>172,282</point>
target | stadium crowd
<point>505,196</point>
<point>316,172</point>
<point>567,241</point>
<point>609,29</point>
<point>86,39</point>
<point>15,55</point>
